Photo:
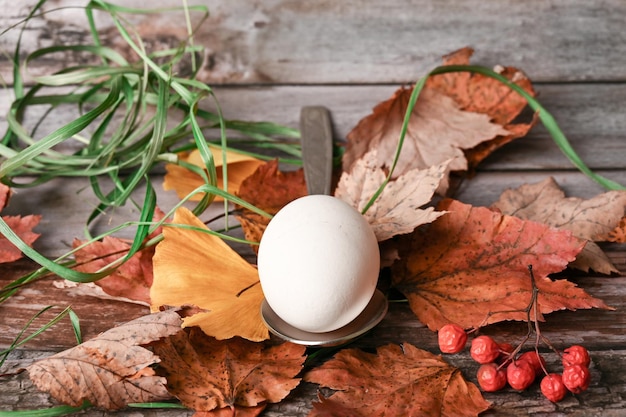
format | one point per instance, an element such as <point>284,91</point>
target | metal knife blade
<point>317,148</point>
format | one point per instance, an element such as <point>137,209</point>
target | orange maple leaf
<point>194,267</point>
<point>396,381</point>
<point>481,94</point>
<point>270,190</point>
<point>473,261</point>
<point>184,181</point>
<point>111,370</point>
<point>23,227</point>
<point>206,374</point>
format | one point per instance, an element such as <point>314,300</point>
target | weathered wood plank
<point>590,115</point>
<point>358,41</point>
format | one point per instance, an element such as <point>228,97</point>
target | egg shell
<point>318,263</point>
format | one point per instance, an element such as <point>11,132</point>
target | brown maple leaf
<point>438,131</point>
<point>396,381</point>
<point>591,219</point>
<point>474,261</point>
<point>111,370</point>
<point>207,374</point>
<point>398,209</point>
<point>194,267</point>
<point>481,94</point>
<point>270,190</point>
<point>184,181</point>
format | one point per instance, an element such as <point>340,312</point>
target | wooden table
<point>268,59</point>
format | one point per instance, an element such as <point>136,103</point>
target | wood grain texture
<point>357,41</point>
<point>590,115</point>
<point>266,60</point>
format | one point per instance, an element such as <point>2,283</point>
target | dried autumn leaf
<point>112,370</point>
<point>396,381</point>
<point>193,267</point>
<point>474,261</point>
<point>23,227</point>
<point>398,209</point>
<point>591,219</point>
<point>270,190</point>
<point>132,280</point>
<point>438,131</point>
<point>184,181</point>
<point>235,411</point>
<point>207,374</point>
<point>5,195</point>
<point>618,235</point>
<point>481,94</point>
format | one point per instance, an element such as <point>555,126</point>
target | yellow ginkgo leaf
<point>192,267</point>
<point>184,181</point>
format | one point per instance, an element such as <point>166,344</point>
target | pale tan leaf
<point>398,209</point>
<point>593,219</point>
<point>111,370</point>
<point>438,131</point>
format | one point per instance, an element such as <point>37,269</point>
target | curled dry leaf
<point>111,370</point>
<point>193,267</point>
<point>206,374</point>
<point>438,131</point>
<point>593,219</point>
<point>270,190</point>
<point>184,181</point>
<point>398,209</point>
<point>481,94</point>
<point>397,381</point>
<point>473,261</point>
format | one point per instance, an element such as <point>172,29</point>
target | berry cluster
<point>501,364</point>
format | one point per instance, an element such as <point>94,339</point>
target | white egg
<point>318,263</point>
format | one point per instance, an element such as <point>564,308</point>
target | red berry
<point>535,359</point>
<point>452,338</point>
<point>576,355</point>
<point>520,374</point>
<point>490,377</point>
<point>552,387</point>
<point>484,349</point>
<point>576,378</point>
